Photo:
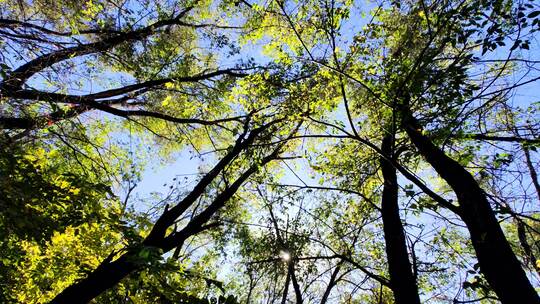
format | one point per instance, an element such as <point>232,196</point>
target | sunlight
<point>285,256</point>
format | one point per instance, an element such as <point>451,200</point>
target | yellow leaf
<point>166,101</point>
<point>64,184</point>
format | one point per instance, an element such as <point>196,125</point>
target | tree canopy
<point>328,151</point>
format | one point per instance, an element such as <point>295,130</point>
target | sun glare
<point>285,256</point>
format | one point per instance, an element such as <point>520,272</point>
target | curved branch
<point>20,75</point>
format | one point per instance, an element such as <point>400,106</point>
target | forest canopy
<point>307,151</point>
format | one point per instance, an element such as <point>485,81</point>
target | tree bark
<point>296,286</point>
<point>286,288</point>
<point>333,281</point>
<point>497,261</point>
<point>402,279</point>
<point>104,277</point>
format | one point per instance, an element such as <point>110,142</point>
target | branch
<point>29,123</point>
<point>90,101</point>
<point>10,23</point>
<point>501,138</point>
<point>160,82</point>
<point>20,75</point>
<point>384,281</point>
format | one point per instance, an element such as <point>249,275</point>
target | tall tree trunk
<point>296,286</point>
<point>402,280</point>
<point>497,261</point>
<point>286,288</point>
<point>98,281</point>
<point>332,283</point>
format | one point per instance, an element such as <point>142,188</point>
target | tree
<point>348,152</point>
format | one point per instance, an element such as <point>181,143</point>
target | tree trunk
<point>402,280</point>
<point>332,283</point>
<point>104,277</point>
<point>497,261</point>
<point>296,286</point>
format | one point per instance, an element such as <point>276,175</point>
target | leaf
<point>166,101</point>
<point>533,14</point>
<point>515,45</point>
